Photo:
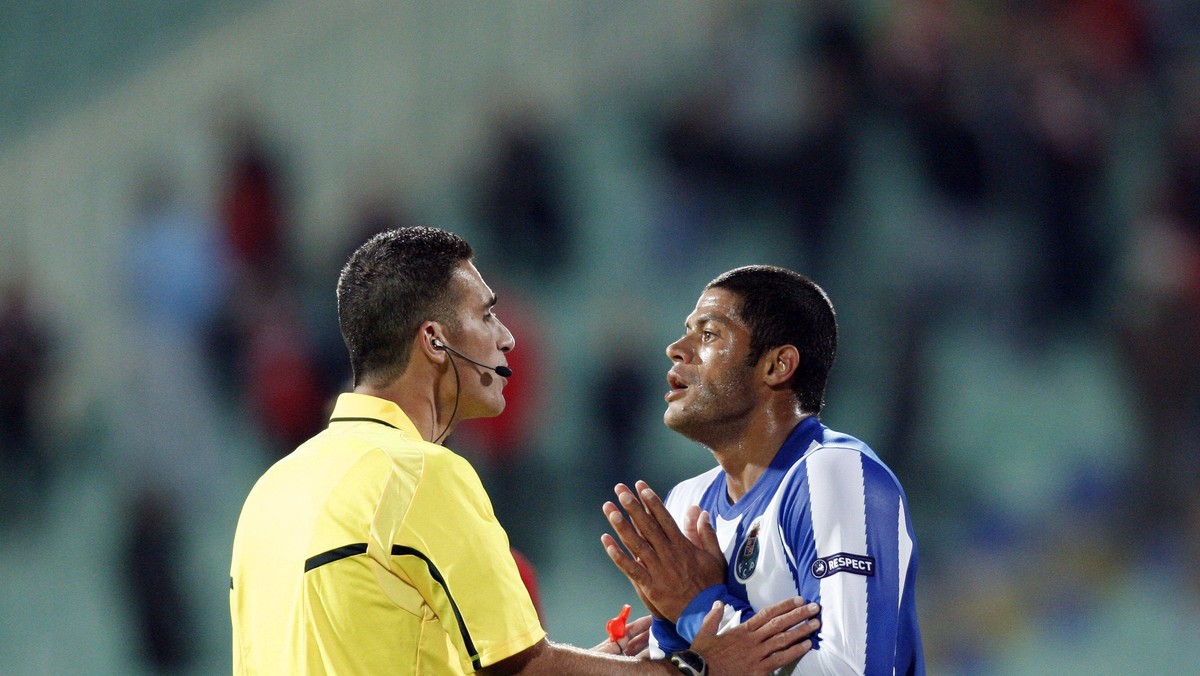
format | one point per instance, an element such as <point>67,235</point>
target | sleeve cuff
<point>668,639</point>
<point>693,614</point>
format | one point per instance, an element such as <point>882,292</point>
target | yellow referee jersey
<point>368,551</point>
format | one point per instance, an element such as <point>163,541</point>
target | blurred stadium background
<point>1002,198</point>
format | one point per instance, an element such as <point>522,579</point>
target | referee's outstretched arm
<point>772,639</point>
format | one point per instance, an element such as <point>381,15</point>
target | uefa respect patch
<point>843,563</point>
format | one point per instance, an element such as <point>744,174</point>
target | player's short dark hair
<point>782,307</point>
<point>392,283</point>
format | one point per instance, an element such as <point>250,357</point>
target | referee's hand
<point>635,642</point>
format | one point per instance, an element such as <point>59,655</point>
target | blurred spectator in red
<point>281,381</point>
<point>254,201</point>
<point>504,448</point>
<point>507,438</point>
<point>530,578</point>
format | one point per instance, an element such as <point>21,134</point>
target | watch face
<point>689,662</point>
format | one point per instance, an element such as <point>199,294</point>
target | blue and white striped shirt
<point>827,521</point>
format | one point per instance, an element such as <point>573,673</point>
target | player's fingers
<point>708,535</point>
<point>786,621</point>
<point>795,607</point>
<point>645,523</point>
<point>639,626</point>
<point>609,648</point>
<point>638,633</point>
<point>656,508</point>
<point>629,535</point>
<point>783,658</point>
<point>785,639</point>
<point>631,569</point>
<point>691,526</point>
<point>712,620</point>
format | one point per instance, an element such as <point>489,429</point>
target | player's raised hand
<point>666,568</point>
<point>698,528</point>
<point>774,638</point>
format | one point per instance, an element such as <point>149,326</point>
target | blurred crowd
<point>1046,154</point>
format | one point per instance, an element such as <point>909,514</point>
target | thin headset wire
<point>457,391</point>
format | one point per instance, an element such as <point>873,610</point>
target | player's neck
<point>746,455</point>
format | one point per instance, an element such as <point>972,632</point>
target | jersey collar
<point>353,407</point>
<point>793,448</point>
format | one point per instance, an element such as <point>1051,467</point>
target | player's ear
<point>780,364</point>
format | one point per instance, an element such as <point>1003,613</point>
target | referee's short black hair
<point>396,280</point>
<point>782,307</point>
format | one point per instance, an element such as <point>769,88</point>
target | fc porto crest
<point>747,556</point>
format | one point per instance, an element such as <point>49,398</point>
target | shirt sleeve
<point>842,517</point>
<point>453,548</point>
<point>736,611</point>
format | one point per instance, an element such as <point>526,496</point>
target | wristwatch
<point>690,662</point>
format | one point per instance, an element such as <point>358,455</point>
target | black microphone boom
<point>502,371</point>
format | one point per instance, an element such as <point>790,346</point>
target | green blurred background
<point>1001,197</point>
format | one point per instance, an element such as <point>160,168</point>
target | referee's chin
<point>491,407</point>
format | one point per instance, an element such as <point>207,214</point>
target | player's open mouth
<point>678,385</point>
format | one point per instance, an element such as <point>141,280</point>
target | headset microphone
<point>502,371</point>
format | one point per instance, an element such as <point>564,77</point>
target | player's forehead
<point>715,305</point>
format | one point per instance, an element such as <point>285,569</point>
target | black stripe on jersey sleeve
<point>398,550</point>
<point>335,555</point>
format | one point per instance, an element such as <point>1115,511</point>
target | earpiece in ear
<point>438,344</point>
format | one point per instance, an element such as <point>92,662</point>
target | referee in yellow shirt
<point>372,549</point>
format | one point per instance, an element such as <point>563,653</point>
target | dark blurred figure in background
<point>924,79</point>
<point>1074,64</point>
<point>26,341</point>
<point>1158,323</point>
<point>622,395</point>
<point>809,176</point>
<point>152,580</point>
<point>766,137</point>
<point>626,385</point>
<point>521,197</point>
<point>174,275</point>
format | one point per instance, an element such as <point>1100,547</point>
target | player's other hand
<point>774,638</point>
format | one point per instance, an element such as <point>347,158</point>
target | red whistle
<point>616,626</point>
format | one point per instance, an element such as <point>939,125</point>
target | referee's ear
<point>430,343</point>
<point>779,365</point>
